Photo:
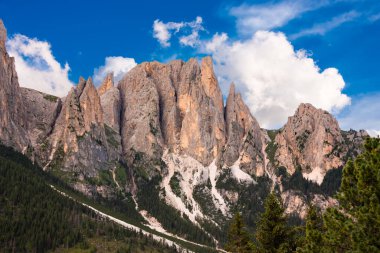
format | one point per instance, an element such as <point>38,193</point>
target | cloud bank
<point>273,77</point>
<point>117,64</point>
<point>37,67</point>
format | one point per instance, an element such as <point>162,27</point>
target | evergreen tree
<point>273,234</point>
<point>238,238</point>
<point>354,226</point>
<point>313,234</point>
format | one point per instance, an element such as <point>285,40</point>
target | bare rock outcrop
<point>245,139</point>
<point>200,103</point>
<point>111,103</point>
<point>79,141</point>
<point>140,125</point>
<point>312,141</point>
<point>42,111</point>
<point>176,105</point>
<point>297,204</point>
<point>13,122</point>
<point>106,85</point>
<point>90,106</point>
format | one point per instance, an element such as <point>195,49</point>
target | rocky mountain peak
<point>110,102</point>
<point>106,85</point>
<point>310,140</point>
<point>3,35</point>
<point>80,86</point>
<point>245,139</point>
<point>90,105</point>
<point>210,83</point>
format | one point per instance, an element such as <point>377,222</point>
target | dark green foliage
<point>251,196</point>
<point>272,145</point>
<point>313,234</point>
<point>238,237</point>
<point>297,182</point>
<point>331,182</point>
<point>355,225</point>
<point>121,175</point>
<point>202,195</point>
<point>105,178</point>
<point>251,201</point>
<point>153,129</point>
<point>281,171</point>
<point>36,218</point>
<point>51,98</point>
<point>226,181</point>
<point>273,233</point>
<point>174,184</point>
<point>301,140</point>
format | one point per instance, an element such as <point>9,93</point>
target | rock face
<point>41,110</point>
<point>140,126</point>
<point>79,141</point>
<point>312,140</point>
<point>177,105</point>
<point>110,102</point>
<point>106,85</point>
<point>245,140</point>
<point>12,112</point>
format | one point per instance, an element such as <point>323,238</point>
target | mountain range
<point>165,138</point>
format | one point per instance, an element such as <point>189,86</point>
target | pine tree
<point>238,238</point>
<point>313,234</point>
<point>272,233</point>
<point>354,226</point>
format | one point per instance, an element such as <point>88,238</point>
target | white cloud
<point>251,18</point>
<point>117,64</point>
<point>323,28</point>
<point>364,113</point>
<point>36,66</point>
<point>273,77</point>
<point>163,31</point>
<point>190,30</point>
<point>192,39</point>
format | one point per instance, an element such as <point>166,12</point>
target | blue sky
<point>339,34</point>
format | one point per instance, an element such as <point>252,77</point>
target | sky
<point>278,53</point>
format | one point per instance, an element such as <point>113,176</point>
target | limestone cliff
<point>245,139</point>
<point>110,103</point>
<point>106,85</point>
<point>79,141</point>
<point>312,141</point>
<point>13,121</point>
<point>42,111</point>
<point>176,105</point>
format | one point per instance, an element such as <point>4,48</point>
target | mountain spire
<point>107,84</point>
<point>3,34</point>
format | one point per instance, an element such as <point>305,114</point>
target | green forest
<point>352,226</point>
<point>36,218</point>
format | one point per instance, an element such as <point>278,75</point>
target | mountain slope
<point>36,218</point>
